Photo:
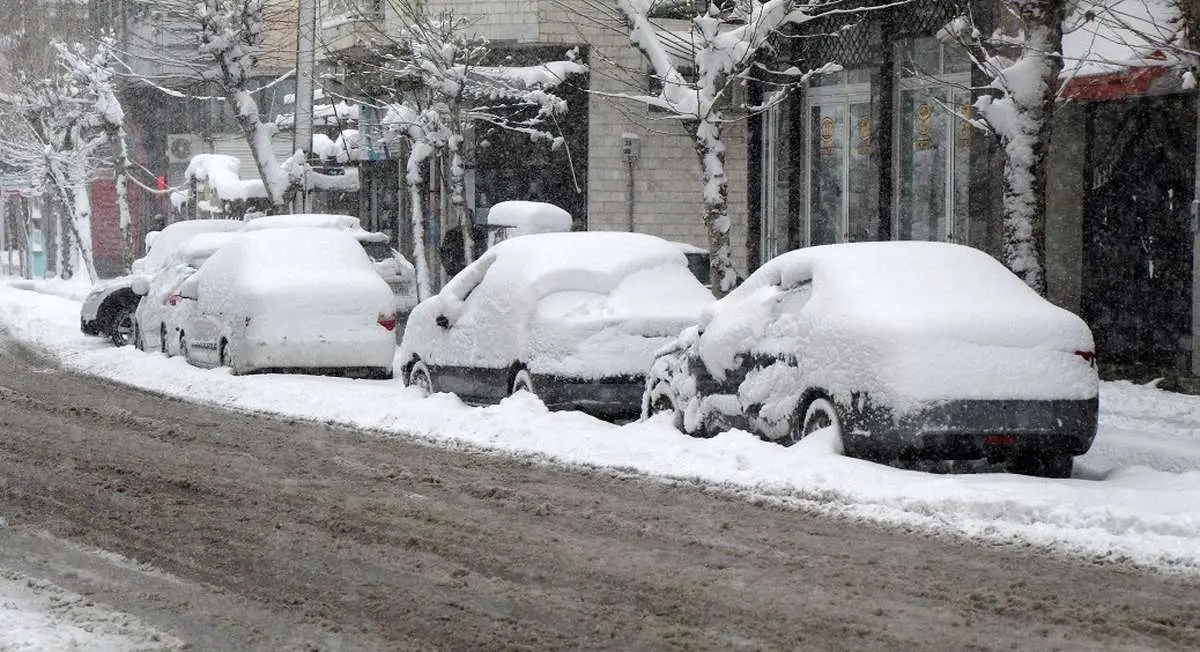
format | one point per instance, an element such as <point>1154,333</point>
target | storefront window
<point>841,158</point>
<point>933,142</point>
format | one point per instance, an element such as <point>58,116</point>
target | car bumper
<point>317,356</point>
<point>613,397</point>
<point>972,429</point>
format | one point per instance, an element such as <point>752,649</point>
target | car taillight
<point>173,298</point>
<point>1089,356</point>
<point>387,321</point>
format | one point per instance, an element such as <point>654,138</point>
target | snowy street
<point>1132,501</point>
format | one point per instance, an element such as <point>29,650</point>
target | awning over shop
<point>1119,48</point>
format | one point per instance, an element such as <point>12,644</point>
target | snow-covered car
<point>907,349</point>
<point>108,309</point>
<point>160,312</point>
<point>391,265</point>
<point>574,318</point>
<point>290,299</point>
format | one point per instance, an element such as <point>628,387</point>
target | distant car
<point>290,300</point>
<point>391,265</point>
<point>574,318</point>
<point>160,313</point>
<point>108,309</point>
<point>906,349</point>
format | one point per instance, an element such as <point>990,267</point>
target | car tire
<point>1044,465</point>
<point>818,413</point>
<point>419,377</point>
<point>522,380</point>
<point>120,327</point>
<point>162,340</point>
<point>664,403</point>
<point>225,357</point>
<point>183,347</point>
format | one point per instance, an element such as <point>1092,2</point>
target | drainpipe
<point>1191,13</point>
<point>631,148</point>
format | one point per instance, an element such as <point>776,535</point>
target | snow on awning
<point>1118,48</point>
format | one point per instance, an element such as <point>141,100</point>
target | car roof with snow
<point>529,217</point>
<point>910,285</point>
<point>317,221</point>
<point>173,236</point>
<point>585,260</point>
<point>283,255</point>
<point>199,247</point>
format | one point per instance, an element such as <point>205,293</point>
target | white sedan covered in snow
<point>574,318</point>
<point>301,299</point>
<point>160,312</point>
<point>907,349</point>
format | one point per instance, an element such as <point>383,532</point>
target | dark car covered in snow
<point>907,349</point>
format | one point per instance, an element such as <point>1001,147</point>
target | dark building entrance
<point>1137,272</point>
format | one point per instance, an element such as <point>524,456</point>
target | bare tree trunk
<point>415,182</point>
<point>1032,83</point>
<point>711,152</point>
<point>120,154</point>
<point>458,199</point>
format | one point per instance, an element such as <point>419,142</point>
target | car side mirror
<point>140,286</point>
<point>442,321</point>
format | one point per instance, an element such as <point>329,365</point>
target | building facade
<point>628,168</point>
<point>884,149</point>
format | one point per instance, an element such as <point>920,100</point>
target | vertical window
<point>932,152</point>
<point>841,157</point>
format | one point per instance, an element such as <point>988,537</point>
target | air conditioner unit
<point>182,147</point>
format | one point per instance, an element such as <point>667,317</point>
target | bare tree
<point>701,67</point>
<point>223,43</point>
<point>447,82</point>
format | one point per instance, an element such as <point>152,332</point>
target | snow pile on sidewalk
<point>1133,499</point>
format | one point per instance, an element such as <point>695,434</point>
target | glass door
<point>932,153</point>
<point>840,137</point>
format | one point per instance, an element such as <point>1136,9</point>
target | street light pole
<point>305,62</point>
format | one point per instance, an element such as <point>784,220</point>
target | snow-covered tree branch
<point>452,87</point>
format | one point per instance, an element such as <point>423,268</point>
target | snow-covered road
<point>1133,498</point>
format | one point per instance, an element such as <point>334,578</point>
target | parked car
<point>574,318</point>
<point>391,265</point>
<point>906,349</point>
<point>290,299</point>
<point>160,312</point>
<point>108,309</point>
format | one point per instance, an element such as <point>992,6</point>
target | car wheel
<point>662,404</point>
<point>420,378</point>
<point>162,339</point>
<point>522,381</point>
<point>183,347</point>
<point>226,357</point>
<point>819,413</point>
<point>120,329</point>
<point>1045,465</point>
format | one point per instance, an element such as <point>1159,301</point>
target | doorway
<point>1137,269</point>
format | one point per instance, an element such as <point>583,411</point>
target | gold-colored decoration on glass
<point>828,132</point>
<point>924,140</point>
<point>865,145</point>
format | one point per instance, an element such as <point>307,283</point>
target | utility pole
<point>305,62</point>
<point>1191,16</point>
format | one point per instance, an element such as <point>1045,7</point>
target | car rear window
<point>378,251</point>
